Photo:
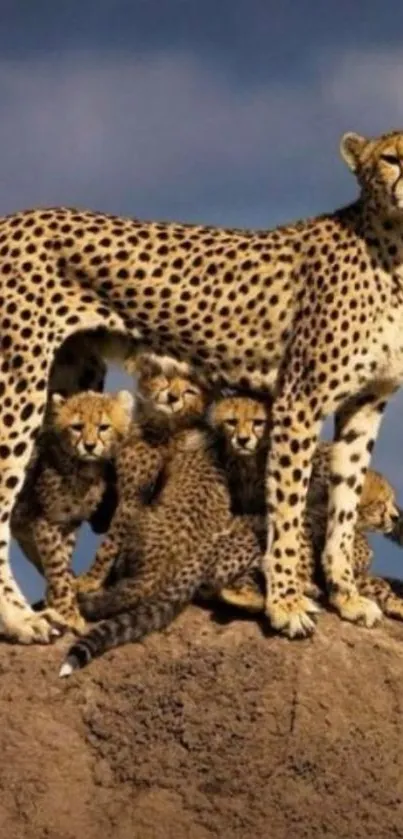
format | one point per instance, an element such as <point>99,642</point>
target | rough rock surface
<point>211,729</point>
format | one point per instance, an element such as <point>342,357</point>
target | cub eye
<point>104,427</point>
<point>259,423</point>
<point>190,392</point>
<point>232,423</point>
<point>77,426</point>
<point>392,159</point>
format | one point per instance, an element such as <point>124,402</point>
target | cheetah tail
<point>148,616</point>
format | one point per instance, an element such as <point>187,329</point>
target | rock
<point>212,730</point>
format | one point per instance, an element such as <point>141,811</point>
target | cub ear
<point>57,400</point>
<point>351,148</point>
<point>211,412</point>
<point>126,401</point>
<point>145,364</point>
<point>173,366</point>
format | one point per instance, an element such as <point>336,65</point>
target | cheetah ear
<point>126,401</point>
<point>351,148</point>
<point>57,400</point>
<point>146,364</point>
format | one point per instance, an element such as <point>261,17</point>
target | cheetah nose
<point>172,398</point>
<point>89,447</point>
<point>243,441</point>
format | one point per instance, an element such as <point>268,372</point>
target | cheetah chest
<point>79,503</point>
<point>388,349</point>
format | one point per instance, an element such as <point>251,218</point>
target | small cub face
<point>377,164</point>
<point>241,421</point>
<point>378,508</point>
<point>167,389</point>
<point>90,424</point>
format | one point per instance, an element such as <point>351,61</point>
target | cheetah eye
<point>392,159</point>
<point>259,423</point>
<point>190,392</point>
<point>104,427</point>
<point>77,426</point>
<point>231,423</point>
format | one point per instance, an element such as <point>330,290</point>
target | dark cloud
<point>259,39</point>
<point>166,135</point>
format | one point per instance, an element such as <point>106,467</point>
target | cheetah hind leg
<point>357,426</point>
<point>380,590</point>
<point>238,555</point>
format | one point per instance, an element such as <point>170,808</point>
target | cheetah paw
<point>291,616</point>
<point>34,627</point>
<point>68,617</point>
<point>357,609</point>
<point>76,623</point>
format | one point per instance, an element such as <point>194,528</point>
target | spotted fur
<point>187,539</point>
<point>65,485</point>
<point>241,425</point>
<point>314,308</point>
<point>169,401</point>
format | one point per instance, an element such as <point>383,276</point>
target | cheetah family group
<point>178,487</point>
<point>211,482</point>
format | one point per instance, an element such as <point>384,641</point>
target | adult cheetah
<point>320,302</point>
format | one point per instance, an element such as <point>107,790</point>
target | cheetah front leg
<point>295,429</point>
<point>55,548</point>
<point>357,426</point>
<point>18,621</point>
<point>136,471</point>
<point>107,554</point>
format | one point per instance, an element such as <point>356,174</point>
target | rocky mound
<point>212,729</point>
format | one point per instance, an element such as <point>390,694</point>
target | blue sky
<point>227,112</point>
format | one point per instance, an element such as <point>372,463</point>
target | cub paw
<point>69,618</point>
<point>394,607</point>
<point>291,615</point>
<point>357,609</point>
<point>76,623</point>
<point>245,597</point>
<point>87,584</point>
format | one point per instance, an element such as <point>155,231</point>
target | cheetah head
<point>378,508</point>
<point>241,422</point>
<point>168,393</point>
<point>378,166</point>
<point>90,425</point>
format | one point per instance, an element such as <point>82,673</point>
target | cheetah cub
<point>169,400</point>
<point>186,539</point>
<point>240,422</point>
<point>377,512</point>
<point>65,484</point>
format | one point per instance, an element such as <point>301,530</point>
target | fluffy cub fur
<point>65,485</point>
<point>184,539</point>
<point>240,422</point>
<point>206,524</point>
<point>168,401</point>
